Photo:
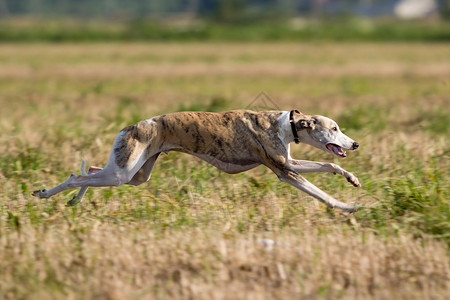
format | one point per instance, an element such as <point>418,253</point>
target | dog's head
<point>324,133</point>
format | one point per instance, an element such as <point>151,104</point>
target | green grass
<point>418,201</point>
<point>326,29</point>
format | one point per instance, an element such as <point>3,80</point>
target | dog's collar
<point>294,130</point>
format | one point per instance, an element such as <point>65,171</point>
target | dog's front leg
<point>301,183</point>
<point>306,166</point>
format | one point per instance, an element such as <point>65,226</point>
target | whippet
<point>233,141</point>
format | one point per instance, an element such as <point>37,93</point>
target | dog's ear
<point>305,124</point>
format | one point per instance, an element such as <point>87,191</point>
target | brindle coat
<point>233,141</point>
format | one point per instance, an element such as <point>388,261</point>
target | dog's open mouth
<point>336,150</point>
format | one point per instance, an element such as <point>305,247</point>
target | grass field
<point>193,232</point>
<point>327,28</point>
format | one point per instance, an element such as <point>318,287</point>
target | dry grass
<point>194,232</point>
<point>126,260</point>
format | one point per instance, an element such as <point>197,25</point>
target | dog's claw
<point>72,202</point>
<point>352,179</point>
<point>355,182</point>
<point>354,208</point>
<point>346,207</point>
<point>40,193</point>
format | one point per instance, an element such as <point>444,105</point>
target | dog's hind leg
<point>79,197</point>
<point>141,176</point>
<point>102,178</point>
<point>126,159</point>
<point>144,173</point>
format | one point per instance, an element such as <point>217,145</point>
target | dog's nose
<point>355,145</point>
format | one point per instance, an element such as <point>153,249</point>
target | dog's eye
<point>334,128</point>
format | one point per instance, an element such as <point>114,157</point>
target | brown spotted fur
<point>243,137</point>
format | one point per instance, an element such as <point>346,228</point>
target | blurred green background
<point>228,20</point>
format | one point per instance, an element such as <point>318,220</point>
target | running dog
<point>233,141</point>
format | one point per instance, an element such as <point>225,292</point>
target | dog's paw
<point>352,179</point>
<point>40,193</point>
<point>72,202</point>
<point>354,208</point>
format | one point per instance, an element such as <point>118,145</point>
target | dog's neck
<point>286,134</point>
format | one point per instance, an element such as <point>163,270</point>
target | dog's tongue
<point>336,150</point>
